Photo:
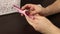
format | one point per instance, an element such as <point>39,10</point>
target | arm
<point>43,25</point>
<point>54,8</point>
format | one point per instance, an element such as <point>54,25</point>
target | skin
<point>41,23</point>
<point>52,9</point>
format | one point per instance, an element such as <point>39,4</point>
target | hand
<point>34,9</point>
<point>42,24</point>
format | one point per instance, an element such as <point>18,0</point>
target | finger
<point>22,15</point>
<point>37,16</point>
<point>32,8</point>
<point>26,6</point>
<point>30,21</point>
<point>33,12</point>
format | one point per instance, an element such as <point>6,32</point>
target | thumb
<point>30,21</point>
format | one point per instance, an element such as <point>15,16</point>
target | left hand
<point>41,24</point>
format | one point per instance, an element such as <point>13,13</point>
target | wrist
<point>52,30</point>
<point>45,11</point>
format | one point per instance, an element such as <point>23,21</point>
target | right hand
<point>34,9</point>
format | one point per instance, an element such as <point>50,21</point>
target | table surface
<point>14,23</point>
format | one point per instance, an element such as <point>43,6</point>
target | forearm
<point>52,29</point>
<point>48,28</point>
<point>54,8</point>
